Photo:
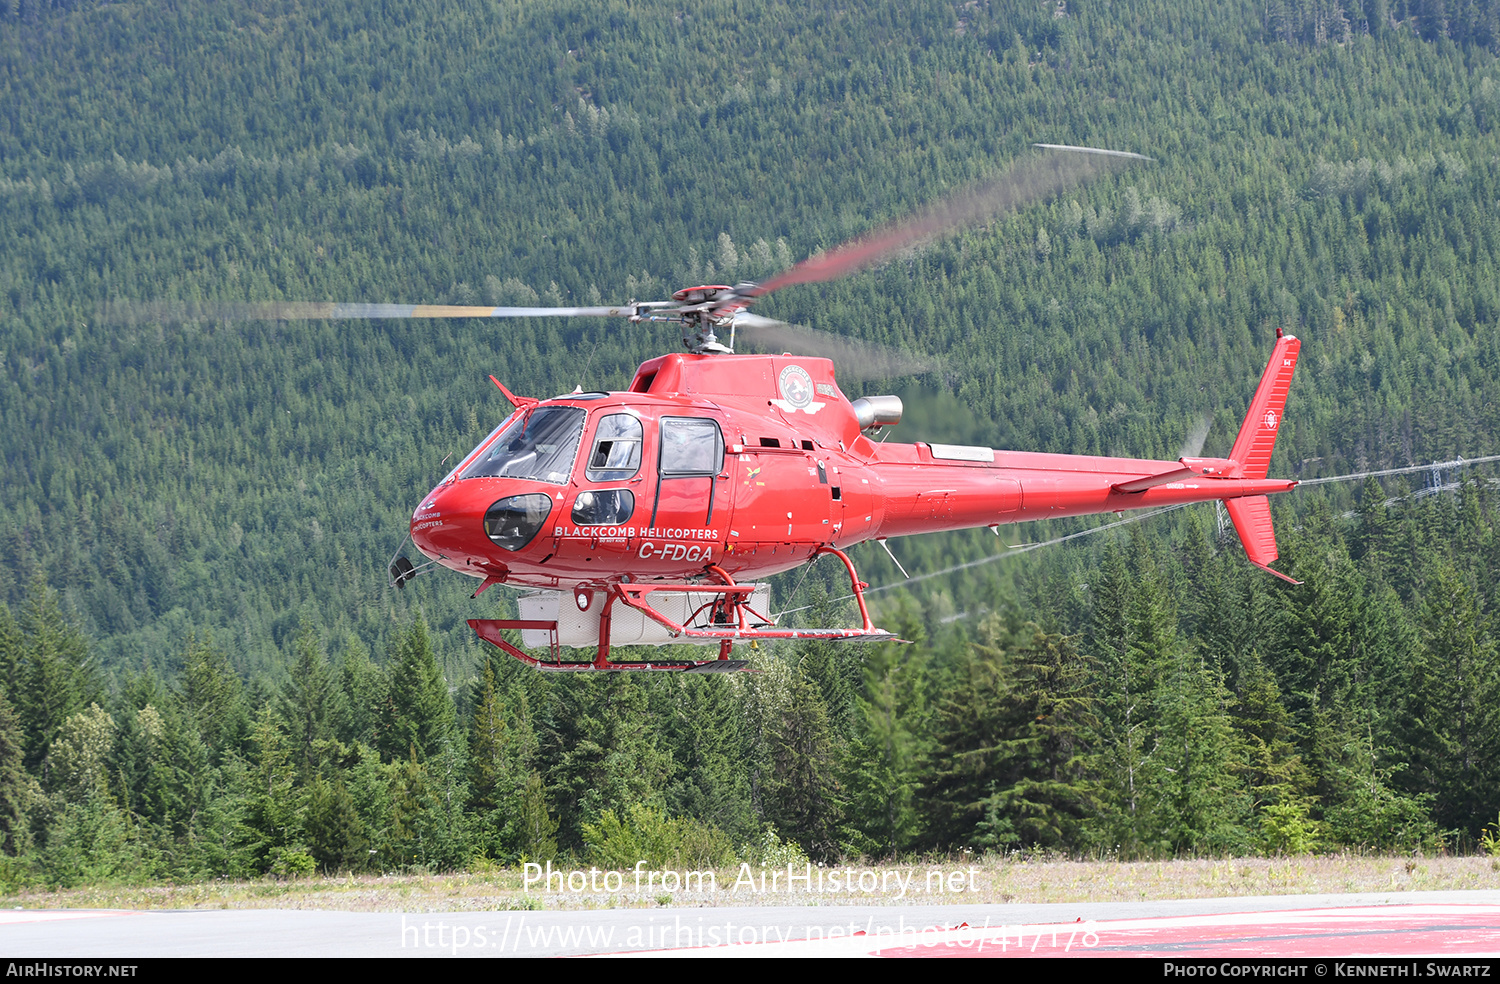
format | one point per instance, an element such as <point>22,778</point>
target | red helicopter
<point>652,516</point>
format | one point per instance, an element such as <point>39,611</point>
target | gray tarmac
<point>122,935</point>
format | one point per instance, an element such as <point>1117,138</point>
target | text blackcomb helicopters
<point>651,516</point>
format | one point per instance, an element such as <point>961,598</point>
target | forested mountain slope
<point>1331,171</point>
<point>473,151</point>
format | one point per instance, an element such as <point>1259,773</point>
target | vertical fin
<point>1251,516</point>
<point>1257,438</point>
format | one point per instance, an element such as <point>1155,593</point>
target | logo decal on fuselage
<point>796,386</point>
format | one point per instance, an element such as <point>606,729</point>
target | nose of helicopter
<point>478,521</point>
<point>449,523</point>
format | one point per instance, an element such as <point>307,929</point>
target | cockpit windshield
<point>538,445</point>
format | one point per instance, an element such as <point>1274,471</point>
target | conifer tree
<point>1453,723</point>
<point>502,754</point>
<point>418,714</point>
<point>490,764</point>
<point>1275,770</point>
<point>803,796</point>
<point>536,834</point>
<point>1055,798</point>
<point>601,749</point>
<point>1374,540</point>
<point>364,693</point>
<point>973,718</point>
<point>335,833</point>
<point>428,828</point>
<point>54,675</point>
<point>213,698</point>
<point>1131,637</point>
<point>19,792</point>
<point>1202,805</point>
<point>311,704</point>
<point>274,813</point>
<point>705,722</point>
<point>883,763</point>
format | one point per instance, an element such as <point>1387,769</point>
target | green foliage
<point>802,792</point>
<point>418,716</point>
<point>1011,739</point>
<point>91,842</point>
<point>336,836</point>
<point>79,760</point>
<point>1276,773</point>
<point>882,765</point>
<point>311,705</point>
<point>601,749</point>
<point>1203,764</point>
<point>1489,839</point>
<point>20,794</point>
<point>292,863</point>
<point>773,852</point>
<point>492,763</point>
<point>641,833</point>
<point>1382,820</point>
<point>428,828</point>
<point>213,697</point>
<point>47,669</point>
<point>273,820</point>
<point>1288,829</point>
<point>1453,723</point>
<point>535,829</point>
<point>212,504</point>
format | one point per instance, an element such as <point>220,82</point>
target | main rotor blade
<point>1024,182</point>
<point>173,311</point>
<point>855,359</point>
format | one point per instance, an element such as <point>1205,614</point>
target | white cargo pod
<point>579,627</point>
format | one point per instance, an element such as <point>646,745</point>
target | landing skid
<point>727,619</point>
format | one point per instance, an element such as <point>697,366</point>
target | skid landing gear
<point>727,618</point>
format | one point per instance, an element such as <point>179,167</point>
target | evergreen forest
<point>205,673</point>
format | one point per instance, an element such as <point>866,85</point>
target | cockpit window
<point>539,445</point>
<point>690,446</point>
<point>617,449</point>
<point>482,444</point>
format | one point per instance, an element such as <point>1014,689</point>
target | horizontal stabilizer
<point>1152,481</point>
<point>1187,468</point>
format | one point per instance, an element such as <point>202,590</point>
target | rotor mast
<point>704,310</point>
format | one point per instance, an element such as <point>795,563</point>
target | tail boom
<point>923,488</point>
